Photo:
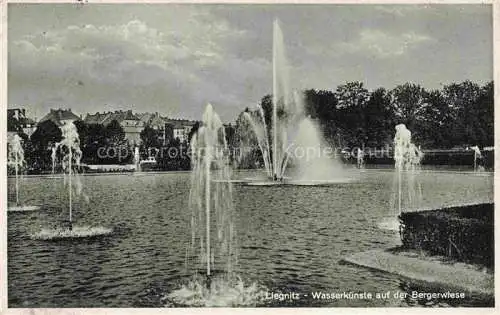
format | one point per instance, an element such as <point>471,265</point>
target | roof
<point>157,121</point>
<point>153,120</point>
<point>58,115</point>
<point>20,115</point>
<point>106,118</point>
<point>180,123</point>
<point>145,117</point>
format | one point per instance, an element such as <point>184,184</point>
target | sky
<point>174,59</point>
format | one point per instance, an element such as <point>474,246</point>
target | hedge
<point>462,233</point>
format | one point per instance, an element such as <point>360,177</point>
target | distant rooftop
<point>105,118</point>
<point>20,115</point>
<point>180,123</point>
<point>59,115</point>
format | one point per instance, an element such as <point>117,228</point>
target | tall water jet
<point>70,145</point>
<point>70,162</point>
<point>211,196</point>
<point>407,193</point>
<point>282,109</point>
<point>16,159</point>
<point>212,253</point>
<point>288,113</point>
<point>284,112</point>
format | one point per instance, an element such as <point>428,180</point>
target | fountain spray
<point>407,158</point>
<point>16,158</point>
<point>54,156</point>
<point>71,143</point>
<point>287,114</point>
<point>477,155</point>
<point>211,196</point>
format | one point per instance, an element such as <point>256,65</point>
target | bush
<point>462,233</point>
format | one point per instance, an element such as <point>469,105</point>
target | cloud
<point>402,10</point>
<point>135,41</point>
<point>172,67</point>
<point>374,43</point>
<point>382,44</point>
<point>176,58</point>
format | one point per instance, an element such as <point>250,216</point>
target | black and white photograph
<point>248,155</point>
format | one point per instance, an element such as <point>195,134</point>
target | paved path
<point>457,275</point>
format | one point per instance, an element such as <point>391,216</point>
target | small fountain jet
<point>16,159</point>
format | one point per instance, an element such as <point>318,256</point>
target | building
<point>131,124</point>
<point>157,122</point>
<point>17,120</point>
<point>178,129</point>
<point>60,116</point>
<point>168,129</point>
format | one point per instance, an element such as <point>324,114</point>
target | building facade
<point>18,121</point>
<point>178,129</point>
<point>131,124</point>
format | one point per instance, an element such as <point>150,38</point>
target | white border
<point>151,311</point>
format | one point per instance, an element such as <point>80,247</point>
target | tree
<point>485,115</point>
<point>379,118</point>
<point>407,102</point>
<point>13,124</point>
<point>245,139</point>
<point>83,133</point>
<point>193,130</point>
<point>462,99</point>
<point>149,138</point>
<point>350,118</point>
<point>115,133</point>
<point>322,105</point>
<point>431,129</point>
<point>47,132</point>
<point>267,107</point>
<point>46,135</point>
<point>351,95</point>
<point>174,156</point>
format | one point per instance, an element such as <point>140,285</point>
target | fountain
<point>212,253</point>
<point>137,159</point>
<point>407,193</point>
<point>16,159</point>
<point>70,146</point>
<point>477,156</point>
<point>313,164</point>
<point>54,157</point>
<point>360,158</point>
<point>280,149</point>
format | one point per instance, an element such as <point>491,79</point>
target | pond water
<point>290,238</point>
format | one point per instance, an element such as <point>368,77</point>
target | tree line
<point>459,114</point>
<point>456,116</point>
<point>100,145</point>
